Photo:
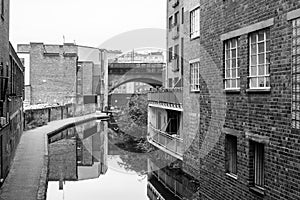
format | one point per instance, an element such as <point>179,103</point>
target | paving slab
<point>27,177</point>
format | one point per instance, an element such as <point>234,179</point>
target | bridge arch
<point>122,73</point>
<point>150,81</point>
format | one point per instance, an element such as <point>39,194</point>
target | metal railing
<point>169,182</point>
<point>172,143</point>
<point>166,96</point>
<point>153,193</point>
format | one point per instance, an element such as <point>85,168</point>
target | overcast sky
<point>88,22</point>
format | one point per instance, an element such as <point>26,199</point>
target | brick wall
<point>265,114</point>
<point>52,72</point>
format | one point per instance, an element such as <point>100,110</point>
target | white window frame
<point>232,73</point>
<point>195,23</point>
<point>255,77</point>
<point>195,76</point>
<point>296,74</point>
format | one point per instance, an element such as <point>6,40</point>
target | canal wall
<point>37,117</point>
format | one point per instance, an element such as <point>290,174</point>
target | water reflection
<point>89,162</point>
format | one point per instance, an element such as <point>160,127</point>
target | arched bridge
<point>121,73</point>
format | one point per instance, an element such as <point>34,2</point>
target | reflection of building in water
<point>169,183</point>
<point>78,153</point>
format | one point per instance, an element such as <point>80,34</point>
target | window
<point>195,77</point>
<point>231,154</point>
<point>259,59</point>
<point>176,18</point>
<point>2,8</point>
<point>232,68</point>
<point>170,54</point>
<point>258,164</point>
<point>176,58</point>
<point>296,74</point>
<point>182,15</point>
<point>195,23</point>
<point>170,82</point>
<point>182,52</point>
<point>170,23</point>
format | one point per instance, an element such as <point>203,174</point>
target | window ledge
<point>258,190</point>
<point>232,176</point>
<point>195,38</point>
<point>232,90</point>
<point>263,90</point>
<point>194,91</point>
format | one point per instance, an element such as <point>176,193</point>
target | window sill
<point>195,38</point>
<point>4,126</point>
<point>258,190</point>
<point>232,90</point>
<point>263,90</point>
<point>232,176</point>
<point>194,91</point>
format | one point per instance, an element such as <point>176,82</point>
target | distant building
<point>11,95</point>
<point>63,74</point>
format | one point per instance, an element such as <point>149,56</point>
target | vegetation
<point>131,136</point>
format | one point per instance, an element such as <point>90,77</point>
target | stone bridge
<point>121,73</point>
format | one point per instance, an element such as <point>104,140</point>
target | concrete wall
<point>38,117</point>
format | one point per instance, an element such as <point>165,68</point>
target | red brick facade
<point>252,116</point>
<point>52,72</point>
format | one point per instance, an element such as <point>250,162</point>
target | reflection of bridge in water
<point>122,73</point>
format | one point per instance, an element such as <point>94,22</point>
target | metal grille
<point>296,74</point>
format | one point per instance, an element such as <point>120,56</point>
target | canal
<point>96,160</point>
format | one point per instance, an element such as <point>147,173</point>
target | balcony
<point>170,98</point>
<point>166,141</point>
<point>168,183</point>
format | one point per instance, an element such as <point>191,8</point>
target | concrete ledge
<point>229,131</point>
<point>248,29</point>
<point>257,138</point>
<point>293,14</point>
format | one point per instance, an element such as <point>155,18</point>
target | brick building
<point>165,113</point>
<point>11,95</point>
<point>52,69</point>
<point>240,86</point>
<point>63,74</point>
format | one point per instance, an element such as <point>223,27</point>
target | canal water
<point>94,161</point>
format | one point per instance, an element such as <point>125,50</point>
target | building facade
<point>240,113</point>
<point>64,74</point>
<point>11,95</point>
<point>165,109</point>
<point>53,69</point>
